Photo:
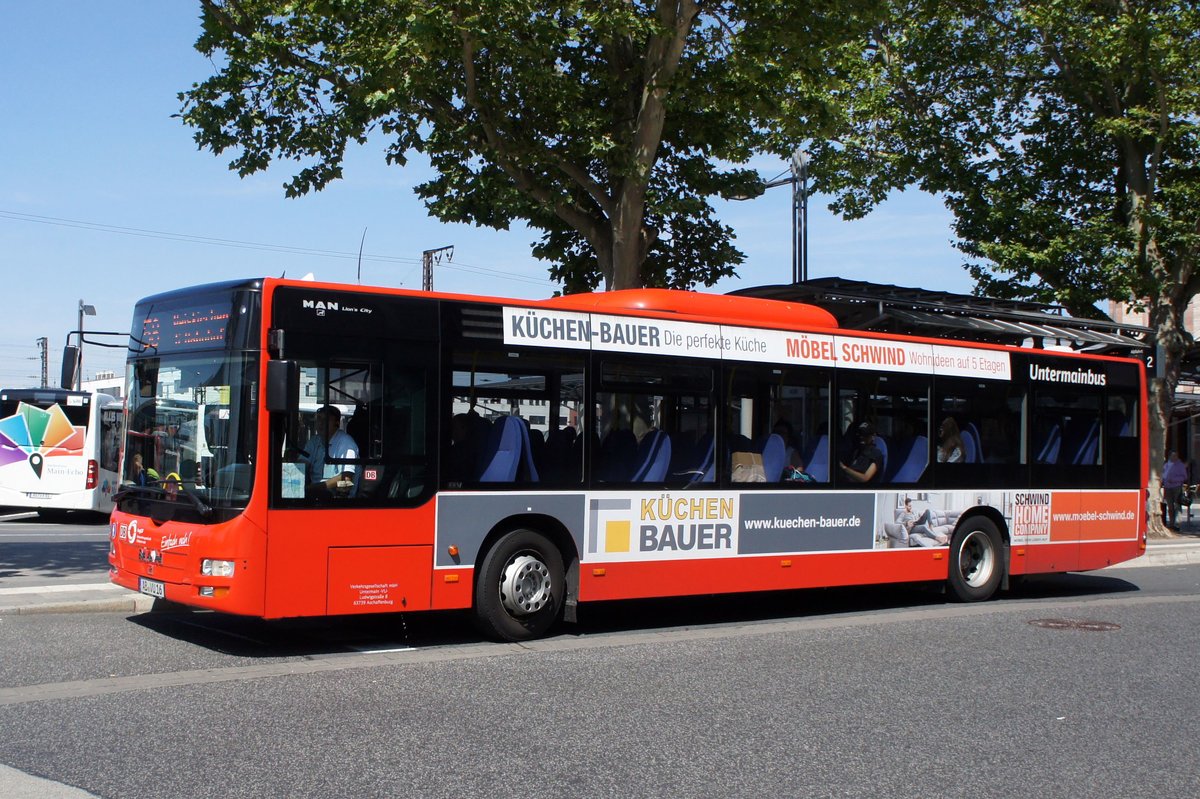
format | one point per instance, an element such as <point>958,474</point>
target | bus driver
<point>331,443</point>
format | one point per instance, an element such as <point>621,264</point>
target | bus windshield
<point>191,431</point>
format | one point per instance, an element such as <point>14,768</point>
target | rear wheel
<point>520,587</point>
<point>976,563</point>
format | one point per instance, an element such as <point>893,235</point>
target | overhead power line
<point>252,245</point>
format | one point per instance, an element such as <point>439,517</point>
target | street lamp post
<point>798,180</point>
<point>799,216</point>
<point>84,310</point>
<point>799,183</point>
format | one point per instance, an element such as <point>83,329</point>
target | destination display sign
<point>197,325</point>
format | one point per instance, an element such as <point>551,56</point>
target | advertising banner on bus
<point>647,526</point>
<point>573,330</point>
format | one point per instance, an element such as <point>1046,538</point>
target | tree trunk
<point>1166,319</point>
<point>1160,398</point>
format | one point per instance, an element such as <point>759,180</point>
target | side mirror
<point>283,386</point>
<point>69,362</point>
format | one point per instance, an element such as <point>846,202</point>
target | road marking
<point>376,650</point>
<point>319,664</point>
<point>29,529</point>
<point>22,785</point>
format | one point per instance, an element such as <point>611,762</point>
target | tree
<point>607,125</point>
<point>1063,135</point>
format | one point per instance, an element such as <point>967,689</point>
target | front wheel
<point>976,564</point>
<point>520,587</point>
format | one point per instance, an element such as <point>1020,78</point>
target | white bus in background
<point>59,450</point>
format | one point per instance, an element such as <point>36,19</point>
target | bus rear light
<point>216,568</point>
<point>92,472</point>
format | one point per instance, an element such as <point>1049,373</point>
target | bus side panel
<point>306,578</point>
<point>379,579</point>
<point>1085,530</point>
<point>633,580</point>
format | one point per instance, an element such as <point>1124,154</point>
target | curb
<point>1166,554</point>
<point>130,604</point>
<point>63,599</point>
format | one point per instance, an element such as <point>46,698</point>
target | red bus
<point>517,457</point>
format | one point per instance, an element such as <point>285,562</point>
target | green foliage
<point>608,125</point>
<point>1062,134</point>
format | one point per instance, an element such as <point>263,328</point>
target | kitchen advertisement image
<point>642,526</point>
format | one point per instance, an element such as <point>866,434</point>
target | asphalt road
<point>883,692</point>
<point>34,552</point>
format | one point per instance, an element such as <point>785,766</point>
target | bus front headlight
<point>216,568</point>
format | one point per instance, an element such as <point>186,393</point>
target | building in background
<point>106,383</point>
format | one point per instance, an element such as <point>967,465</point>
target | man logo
<point>321,306</point>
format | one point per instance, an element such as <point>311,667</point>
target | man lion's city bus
<point>58,450</point>
<point>518,457</point>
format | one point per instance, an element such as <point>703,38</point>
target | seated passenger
<point>950,447</point>
<point>866,464</point>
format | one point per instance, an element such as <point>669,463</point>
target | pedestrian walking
<point>1174,476</point>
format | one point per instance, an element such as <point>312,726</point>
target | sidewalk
<point>72,598</point>
<point>102,596</point>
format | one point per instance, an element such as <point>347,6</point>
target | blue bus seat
<point>970,450</point>
<point>817,462</point>
<point>618,456</point>
<point>774,457</point>
<point>1089,445</point>
<point>914,463</point>
<point>502,454</point>
<point>1047,451</point>
<point>526,459</point>
<point>971,434</point>
<point>654,457</point>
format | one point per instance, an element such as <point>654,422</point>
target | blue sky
<point>104,197</point>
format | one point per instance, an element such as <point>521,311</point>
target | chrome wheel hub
<point>977,559</point>
<point>525,585</point>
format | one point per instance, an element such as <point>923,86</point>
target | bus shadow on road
<point>657,614</point>
<point>239,636</point>
<point>68,559</point>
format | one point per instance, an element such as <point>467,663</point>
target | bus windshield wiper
<point>203,508</point>
<point>159,494</point>
<point>133,489</point>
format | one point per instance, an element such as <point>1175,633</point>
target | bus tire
<point>976,560</point>
<point>520,587</point>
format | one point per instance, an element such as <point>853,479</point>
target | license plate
<point>152,588</point>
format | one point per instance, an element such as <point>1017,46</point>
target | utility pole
<point>428,259</point>
<point>44,345</point>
